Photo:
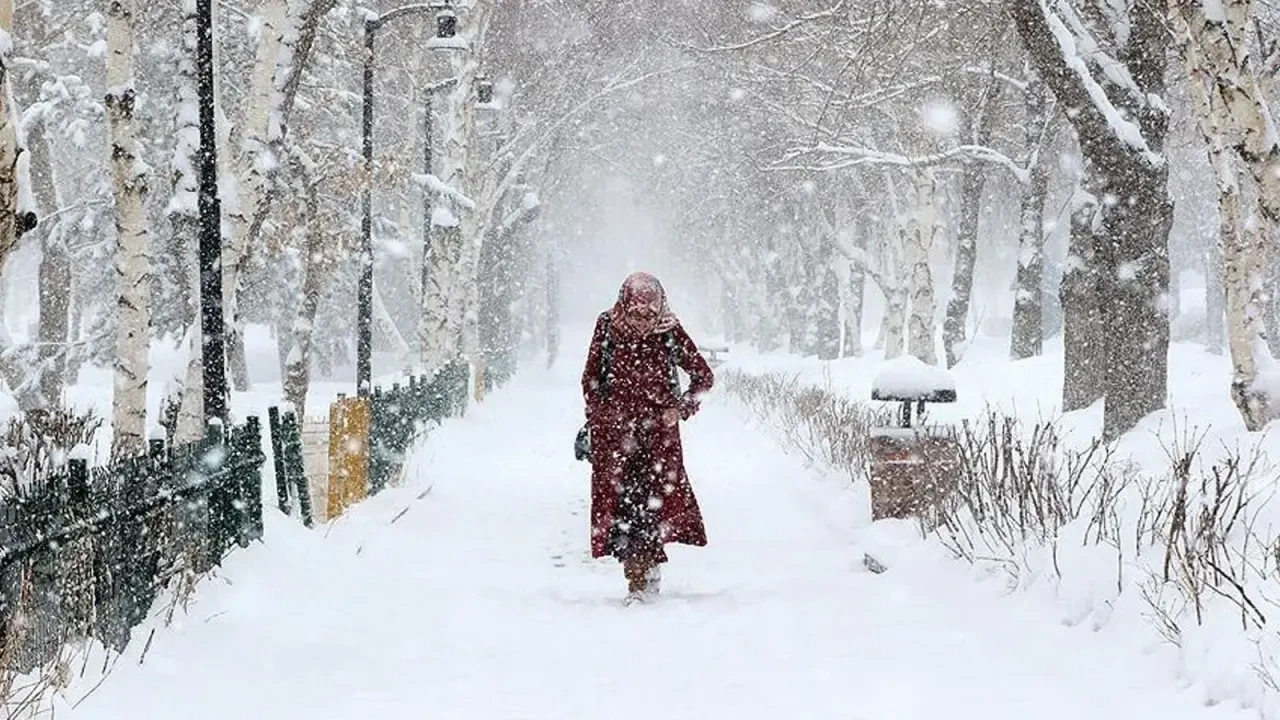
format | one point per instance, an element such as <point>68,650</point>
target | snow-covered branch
<point>860,156</point>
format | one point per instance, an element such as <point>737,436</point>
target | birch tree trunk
<point>184,224</point>
<point>1229,111</point>
<point>9,145</point>
<point>297,377</point>
<point>1028,307</point>
<point>190,426</point>
<point>252,164</point>
<point>922,328</point>
<point>449,298</point>
<point>893,326</point>
<point>129,177</point>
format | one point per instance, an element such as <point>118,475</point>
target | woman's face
<point>644,316</point>
<point>643,309</point>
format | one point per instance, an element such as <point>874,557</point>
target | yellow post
<point>349,423</point>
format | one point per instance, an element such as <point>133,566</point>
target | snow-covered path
<point>480,602</point>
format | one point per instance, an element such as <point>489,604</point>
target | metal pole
<point>364,305</point>
<point>213,348</point>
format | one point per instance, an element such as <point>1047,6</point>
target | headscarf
<point>642,291</point>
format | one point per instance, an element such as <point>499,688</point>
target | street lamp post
<point>213,353</point>
<point>446,28</point>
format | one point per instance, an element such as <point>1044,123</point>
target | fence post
<point>78,479</point>
<point>277,459</point>
<point>378,439</point>
<point>213,462</point>
<point>248,477</point>
<point>294,466</point>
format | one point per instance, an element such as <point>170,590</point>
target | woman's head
<point>642,305</point>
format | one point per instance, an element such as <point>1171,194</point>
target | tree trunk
<point>856,292</point>
<point>184,224</point>
<point>129,177</point>
<point>9,153</point>
<point>450,313</point>
<point>1083,339</point>
<point>297,376</point>
<point>1028,306</point>
<point>1124,155</point>
<point>190,426</point>
<point>55,274</point>
<point>954,332</point>
<point>553,311</point>
<point>921,340</point>
<point>1224,116</point>
<point>1215,300</point>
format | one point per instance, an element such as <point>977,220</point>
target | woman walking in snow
<point>641,498</point>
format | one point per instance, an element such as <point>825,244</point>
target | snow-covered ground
<point>469,593</point>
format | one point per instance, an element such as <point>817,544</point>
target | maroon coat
<point>639,389</point>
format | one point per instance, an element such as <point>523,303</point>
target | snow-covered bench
<point>912,464</point>
<point>712,353</point>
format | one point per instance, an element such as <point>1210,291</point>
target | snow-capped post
<point>212,345</point>
<point>133,287</point>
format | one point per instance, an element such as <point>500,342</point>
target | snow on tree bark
<point>1123,148</point>
<point>252,163</point>
<point>10,141</point>
<point>129,178</point>
<point>1215,299</point>
<point>855,300</point>
<point>1028,306</point>
<point>922,230</point>
<point>1083,337</point>
<point>450,297</point>
<point>55,274</point>
<point>954,333</point>
<point>184,224</point>
<point>1231,112</point>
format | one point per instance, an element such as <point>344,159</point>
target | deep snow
<point>469,593</point>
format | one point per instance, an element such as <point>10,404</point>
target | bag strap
<point>673,369</point>
<point>606,356</point>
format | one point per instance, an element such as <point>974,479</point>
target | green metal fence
<point>84,553</point>
<point>402,413</point>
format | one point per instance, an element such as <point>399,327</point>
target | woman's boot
<point>653,581</point>
<point>637,574</point>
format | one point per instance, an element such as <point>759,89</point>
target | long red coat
<point>639,389</point>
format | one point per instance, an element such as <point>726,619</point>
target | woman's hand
<point>670,416</point>
<point>688,406</point>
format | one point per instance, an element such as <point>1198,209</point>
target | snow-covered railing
<point>84,554</point>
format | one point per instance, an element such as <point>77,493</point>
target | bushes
<point>823,427</point>
<point>1192,543</point>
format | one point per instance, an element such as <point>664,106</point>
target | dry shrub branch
<point>824,427</point>
<point>1188,538</point>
